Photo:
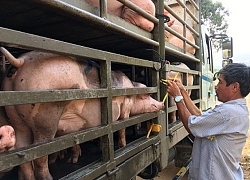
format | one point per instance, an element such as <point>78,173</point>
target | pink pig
<point>38,122</point>
<point>116,8</point>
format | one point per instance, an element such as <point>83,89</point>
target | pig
<point>38,122</point>
<point>7,136</point>
<point>7,142</point>
<point>7,133</point>
<point>171,21</point>
<point>116,8</point>
<point>190,79</point>
<point>169,37</point>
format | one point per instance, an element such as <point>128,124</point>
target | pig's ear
<point>143,96</point>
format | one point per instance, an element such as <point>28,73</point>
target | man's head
<point>234,82</point>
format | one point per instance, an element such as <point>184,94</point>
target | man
<point>220,134</point>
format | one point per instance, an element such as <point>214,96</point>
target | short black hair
<point>237,72</point>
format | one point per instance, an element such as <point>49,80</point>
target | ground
<point>170,171</point>
<point>245,162</point>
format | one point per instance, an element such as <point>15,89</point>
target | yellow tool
<point>165,82</point>
<point>156,127</point>
<point>153,127</point>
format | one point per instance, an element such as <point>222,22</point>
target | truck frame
<point>75,28</point>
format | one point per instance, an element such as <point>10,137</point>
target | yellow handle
<point>164,99</point>
<point>153,127</point>
<point>149,131</point>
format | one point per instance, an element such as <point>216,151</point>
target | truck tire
<point>149,172</point>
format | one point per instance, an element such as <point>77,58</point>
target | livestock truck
<point>77,28</point>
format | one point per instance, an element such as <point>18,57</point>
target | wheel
<point>149,172</point>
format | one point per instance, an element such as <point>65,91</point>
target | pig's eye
<point>0,136</point>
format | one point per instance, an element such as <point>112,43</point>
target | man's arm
<point>183,111</point>
<point>184,114</point>
<point>188,102</point>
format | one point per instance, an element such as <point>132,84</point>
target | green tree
<point>214,16</point>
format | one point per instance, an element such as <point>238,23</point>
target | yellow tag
<point>183,169</point>
<point>211,137</point>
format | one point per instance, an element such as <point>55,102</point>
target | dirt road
<point>245,162</point>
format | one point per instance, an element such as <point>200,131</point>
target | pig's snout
<point>7,138</point>
<point>159,106</point>
<point>156,106</point>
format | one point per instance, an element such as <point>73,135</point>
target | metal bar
<point>185,25</point>
<point>132,149</point>
<point>193,16</point>
<point>133,120</point>
<point>181,36</point>
<point>34,151</point>
<point>98,168</point>
<point>188,11</point>
<point>91,171</point>
<point>194,4</point>
<point>14,38</point>
<point>181,20</point>
<point>27,97</point>
<point>175,68</point>
<point>178,53</point>
<point>183,170</point>
<point>130,91</point>
<point>103,8</point>
<point>80,13</point>
<point>139,10</point>
<point>107,142</point>
<point>131,166</point>
<point>161,31</point>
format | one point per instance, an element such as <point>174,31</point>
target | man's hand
<point>173,89</point>
<point>178,83</point>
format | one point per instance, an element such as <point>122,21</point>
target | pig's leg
<point>76,152</point>
<point>60,154</point>
<point>23,139</point>
<point>44,126</point>
<point>122,138</point>
<point>125,112</point>
<point>22,131</point>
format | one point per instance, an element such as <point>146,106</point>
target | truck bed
<point>78,24</point>
<point>62,25</point>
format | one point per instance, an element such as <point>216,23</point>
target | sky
<point>239,30</point>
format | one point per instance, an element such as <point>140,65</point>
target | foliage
<point>214,16</point>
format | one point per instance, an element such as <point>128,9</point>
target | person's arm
<point>183,111</point>
<point>190,104</point>
<point>188,101</point>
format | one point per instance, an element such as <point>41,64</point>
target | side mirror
<point>227,47</point>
